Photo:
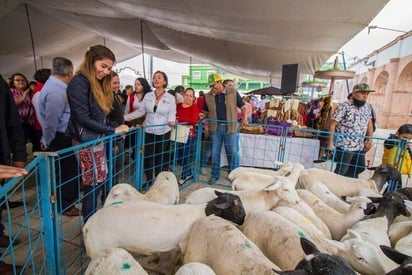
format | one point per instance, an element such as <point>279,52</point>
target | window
<point>196,74</point>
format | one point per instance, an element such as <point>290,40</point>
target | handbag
<point>276,127</point>
<point>93,164</point>
<point>180,133</point>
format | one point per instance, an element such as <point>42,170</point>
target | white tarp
<point>249,38</point>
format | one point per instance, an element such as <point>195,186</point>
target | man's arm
<point>331,129</point>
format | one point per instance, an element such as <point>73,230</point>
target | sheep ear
<point>408,203</point>
<point>393,254</point>
<point>336,244</point>
<point>349,199</point>
<point>308,247</point>
<point>222,206</point>
<point>218,193</point>
<point>354,234</point>
<point>273,186</point>
<point>404,210</point>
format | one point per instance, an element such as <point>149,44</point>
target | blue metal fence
<point>45,241</point>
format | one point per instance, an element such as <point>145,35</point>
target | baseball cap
<point>362,87</point>
<point>213,78</point>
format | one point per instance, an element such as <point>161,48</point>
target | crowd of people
<point>67,107</point>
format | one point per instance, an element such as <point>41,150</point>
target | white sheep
<point>399,230</point>
<point>303,208</point>
<point>250,180</point>
<point>114,261</point>
<point>122,192</point>
<point>220,245</point>
<point>306,225</point>
<point>284,169</point>
<point>253,200</point>
<point>372,230</point>
<point>404,245</point>
<point>164,190</point>
<point>146,227</point>
<point>364,257</point>
<point>323,193</point>
<point>276,237</point>
<point>337,222</point>
<point>195,269</point>
<point>345,186</point>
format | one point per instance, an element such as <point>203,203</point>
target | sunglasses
<point>155,108</point>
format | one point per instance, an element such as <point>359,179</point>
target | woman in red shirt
<point>187,112</point>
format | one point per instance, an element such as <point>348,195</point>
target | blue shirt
<point>220,102</point>
<point>54,108</point>
<point>352,125</point>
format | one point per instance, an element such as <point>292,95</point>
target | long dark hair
<point>12,80</point>
<point>146,86</point>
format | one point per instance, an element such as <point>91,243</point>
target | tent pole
<point>142,47</point>
<point>31,36</point>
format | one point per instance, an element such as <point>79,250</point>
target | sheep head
<point>284,189</point>
<point>384,173</point>
<point>227,206</point>
<point>122,192</point>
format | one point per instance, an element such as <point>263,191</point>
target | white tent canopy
<point>249,38</point>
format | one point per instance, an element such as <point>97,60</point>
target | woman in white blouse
<point>160,110</point>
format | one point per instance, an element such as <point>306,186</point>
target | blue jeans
<point>349,163</point>
<point>231,147</point>
<point>184,151</point>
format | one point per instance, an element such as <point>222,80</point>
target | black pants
<point>349,163</point>
<point>67,172</point>
<point>156,155</point>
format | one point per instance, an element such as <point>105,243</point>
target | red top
<point>200,101</point>
<point>36,89</point>
<point>189,114</point>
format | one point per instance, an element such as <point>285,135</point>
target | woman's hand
<point>122,129</point>
<point>172,123</point>
<point>11,171</point>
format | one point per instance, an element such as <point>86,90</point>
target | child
<point>400,153</point>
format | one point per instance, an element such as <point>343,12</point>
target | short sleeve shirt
<point>352,123</point>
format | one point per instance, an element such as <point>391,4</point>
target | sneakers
<point>183,181</point>
<point>212,181</point>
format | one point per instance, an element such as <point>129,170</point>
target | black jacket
<point>11,133</point>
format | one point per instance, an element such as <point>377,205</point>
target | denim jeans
<point>184,152</point>
<point>349,163</point>
<point>231,146</point>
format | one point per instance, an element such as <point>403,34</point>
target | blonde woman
<point>91,99</point>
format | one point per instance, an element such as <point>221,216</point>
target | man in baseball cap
<point>352,122</point>
<point>213,78</point>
